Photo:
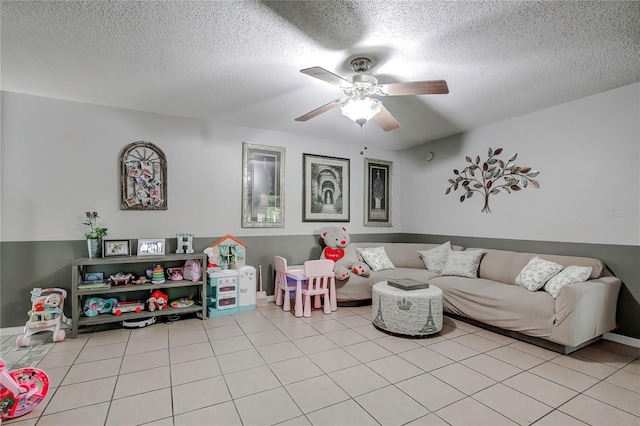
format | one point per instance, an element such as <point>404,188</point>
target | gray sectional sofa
<point>579,315</point>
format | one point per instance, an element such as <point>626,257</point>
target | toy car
<point>122,307</point>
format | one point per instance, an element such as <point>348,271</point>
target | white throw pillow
<point>570,274</point>
<point>537,272</point>
<point>462,263</point>
<point>376,258</point>
<point>434,259</point>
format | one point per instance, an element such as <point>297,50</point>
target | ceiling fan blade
<point>320,110</point>
<point>324,75</point>
<point>433,87</point>
<point>386,120</point>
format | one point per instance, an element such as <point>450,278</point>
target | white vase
<point>94,247</point>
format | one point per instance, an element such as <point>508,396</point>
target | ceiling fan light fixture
<point>361,110</point>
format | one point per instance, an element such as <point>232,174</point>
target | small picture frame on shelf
<point>116,248</point>
<point>93,277</point>
<point>151,247</point>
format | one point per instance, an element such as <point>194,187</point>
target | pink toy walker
<point>21,390</point>
<point>46,313</point>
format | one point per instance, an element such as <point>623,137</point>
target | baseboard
<point>619,338</point>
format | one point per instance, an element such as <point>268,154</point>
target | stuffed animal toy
<point>343,253</point>
<point>158,300</point>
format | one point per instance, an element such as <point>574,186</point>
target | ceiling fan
<point>359,105</point>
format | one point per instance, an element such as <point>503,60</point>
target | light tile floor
<point>267,367</point>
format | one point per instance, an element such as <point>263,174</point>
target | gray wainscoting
<point>30,264</point>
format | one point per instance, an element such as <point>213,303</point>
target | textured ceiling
<point>238,62</point>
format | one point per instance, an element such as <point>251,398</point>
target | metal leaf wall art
<point>492,177</point>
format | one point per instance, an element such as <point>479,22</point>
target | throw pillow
<point>536,273</point>
<point>434,259</point>
<point>570,274</point>
<point>376,258</point>
<point>462,263</point>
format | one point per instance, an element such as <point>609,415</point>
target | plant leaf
<point>533,173</point>
<point>456,172</point>
<point>490,152</point>
<point>469,159</point>
<point>447,191</point>
<point>494,191</point>
<point>477,159</point>
<point>515,187</point>
<point>485,166</point>
<point>451,181</point>
<point>498,151</point>
<point>524,182</point>
<point>466,188</point>
<point>471,172</point>
<point>489,184</point>
<point>477,186</point>
<point>501,163</point>
<point>465,183</point>
<point>525,169</point>
<point>510,166</point>
<point>462,198</point>
<point>455,186</point>
<point>469,194</point>
<point>513,157</point>
<point>534,183</point>
<point>505,189</point>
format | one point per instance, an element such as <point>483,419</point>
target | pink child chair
<point>320,281</point>
<point>281,284</point>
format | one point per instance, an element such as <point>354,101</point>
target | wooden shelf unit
<point>83,265</point>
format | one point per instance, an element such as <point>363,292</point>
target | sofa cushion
<point>505,265</point>
<point>570,274</point>
<point>462,263</point>
<point>434,259</point>
<point>536,274</point>
<point>404,255</point>
<point>376,258</point>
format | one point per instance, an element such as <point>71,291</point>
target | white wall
<point>588,155</point>
<point>60,159</point>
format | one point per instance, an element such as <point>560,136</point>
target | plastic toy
<point>182,302</point>
<point>158,300</point>
<point>21,390</point>
<point>343,253</point>
<point>139,323</point>
<point>122,307</point>
<point>46,314</point>
<point>96,305</point>
<point>175,274</point>
<point>121,278</point>
<point>140,280</point>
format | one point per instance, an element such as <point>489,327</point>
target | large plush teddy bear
<point>343,253</point>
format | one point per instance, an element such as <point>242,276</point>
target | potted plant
<point>94,237</point>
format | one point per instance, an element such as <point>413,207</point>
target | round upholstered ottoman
<point>412,313</point>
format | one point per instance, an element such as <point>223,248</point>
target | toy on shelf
<point>46,314</point>
<point>158,300</point>
<point>182,302</point>
<point>157,276</point>
<point>192,270</point>
<point>122,307</point>
<point>21,390</point>
<point>140,280</point>
<point>175,274</point>
<point>121,278</point>
<point>97,305</point>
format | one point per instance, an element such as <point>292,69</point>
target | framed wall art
<point>151,247</point>
<point>262,186</point>
<point>325,189</point>
<point>116,248</point>
<point>378,192</point>
<point>143,177</point>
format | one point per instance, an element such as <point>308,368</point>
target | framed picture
<point>93,277</point>
<point>378,192</point>
<point>115,248</point>
<point>143,177</point>
<point>325,189</point>
<point>262,186</point>
<point>153,247</point>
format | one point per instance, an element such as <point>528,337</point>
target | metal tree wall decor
<point>492,177</point>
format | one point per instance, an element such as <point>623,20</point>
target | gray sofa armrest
<point>586,310</point>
